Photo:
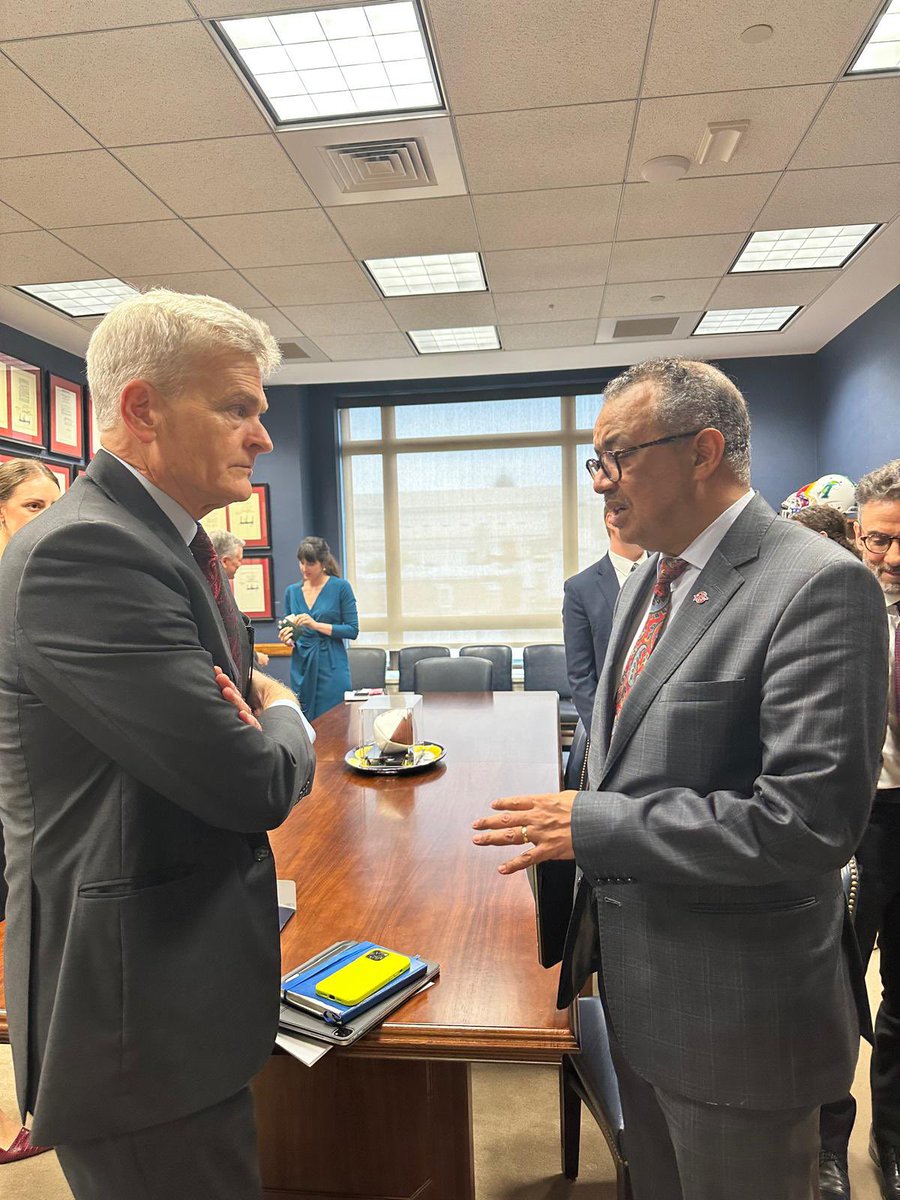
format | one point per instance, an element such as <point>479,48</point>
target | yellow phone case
<point>359,979</point>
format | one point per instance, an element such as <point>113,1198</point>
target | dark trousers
<point>877,914</point>
<point>208,1155</point>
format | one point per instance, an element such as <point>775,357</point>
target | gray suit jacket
<point>589,599</point>
<point>142,955</point>
<point>735,783</point>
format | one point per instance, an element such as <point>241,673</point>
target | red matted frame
<point>11,367</point>
<point>57,444</point>
<point>260,490</point>
<point>266,609</point>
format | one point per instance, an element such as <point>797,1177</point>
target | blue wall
<point>858,380</point>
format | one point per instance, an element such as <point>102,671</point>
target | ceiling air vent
<point>380,166</point>
<point>291,352</point>
<point>645,327</point>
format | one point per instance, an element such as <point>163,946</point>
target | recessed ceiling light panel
<point>444,341</point>
<point>424,275</point>
<point>882,49</point>
<point>802,249</point>
<point>328,63</point>
<point>745,320</point>
<point>81,298</point>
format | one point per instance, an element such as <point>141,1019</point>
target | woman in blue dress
<point>322,609</point>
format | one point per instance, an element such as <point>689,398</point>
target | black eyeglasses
<point>608,461</point>
<point>879,543</point>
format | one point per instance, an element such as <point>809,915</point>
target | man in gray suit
<point>137,783</point>
<point>734,750</point>
<point>588,602</point>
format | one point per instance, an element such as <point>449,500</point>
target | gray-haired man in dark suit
<point>734,750</point>
<point>137,781</point>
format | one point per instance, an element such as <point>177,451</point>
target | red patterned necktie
<point>208,562</point>
<point>668,571</point>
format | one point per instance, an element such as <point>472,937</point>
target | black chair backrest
<point>452,675</point>
<point>545,669</point>
<point>368,666</point>
<point>500,656</point>
<point>409,656</point>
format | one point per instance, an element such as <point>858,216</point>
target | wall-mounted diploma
<point>245,520</point>
<point>24,404</point>
<point>215,520</point>
<point>66,418</point>
<point>252,586</point>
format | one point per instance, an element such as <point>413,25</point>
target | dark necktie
<point>668,571</point>
<point>208,562</point>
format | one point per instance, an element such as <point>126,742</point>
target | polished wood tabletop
<point>390,859</point>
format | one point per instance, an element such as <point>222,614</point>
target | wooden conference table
<point>391,859</point>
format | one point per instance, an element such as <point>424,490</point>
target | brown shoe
<point>21,1147</point>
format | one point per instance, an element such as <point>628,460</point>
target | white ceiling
<point>131,147</point>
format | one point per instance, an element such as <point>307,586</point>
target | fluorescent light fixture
<point>83,297</point>
<point>444,341</point>
<point>423,275</point>
<point>801,249</point>
<point>745,320</point>
<point>881,51</point>
<point>326,63</point>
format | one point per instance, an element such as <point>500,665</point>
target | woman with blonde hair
<point>27,488</point>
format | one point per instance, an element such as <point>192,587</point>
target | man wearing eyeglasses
<point>734,750</point>
<point>878,902</point>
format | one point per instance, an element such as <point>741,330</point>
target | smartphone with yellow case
<point>364,976</point>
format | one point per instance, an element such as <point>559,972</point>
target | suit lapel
<point>630,600</point>
<point>122,488</point>
<point>608,580</point>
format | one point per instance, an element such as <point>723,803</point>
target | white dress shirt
<point>624,566</point>
<point>186,528</point>
<point>890,766</point>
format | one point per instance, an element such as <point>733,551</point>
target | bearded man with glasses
<point>878,902</point>
<point>734,750</point>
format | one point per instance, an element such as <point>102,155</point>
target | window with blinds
<point>463,519</point>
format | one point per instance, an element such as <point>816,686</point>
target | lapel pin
<point>700,597</point>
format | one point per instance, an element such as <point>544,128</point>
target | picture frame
<point>249,519</point>
<point>21,402</point>
<point>66,417</point>
<point>254,594</point>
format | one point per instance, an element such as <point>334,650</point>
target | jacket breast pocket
<point>702,691</point>
<point>130,885</point>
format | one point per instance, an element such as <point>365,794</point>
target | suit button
<point>261,853</point>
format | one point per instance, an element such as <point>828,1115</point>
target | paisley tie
<point>668,571</point>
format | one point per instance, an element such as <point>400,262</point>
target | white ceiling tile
<point>273,239</point>
<point>778,118</point>
<point>553,217</point>
<point>280,326</point>
<point>323,283</point>
<point>13,222</point>
<point>636,299</point>
<point>673,258</point>
<point>165,83</point>
<point>30,122</point>
<point>73,16</point>
<point>546,147</point>
<point>526,53</point>
<point>225,285</point>
<point>329,320</point>
<point>42,258</point>
<point>773,288</point>
<point>85,187</point>
<point>559,304</point>
<point>442,312</point>
<point>440,226</point>
<point>693,206</point>
<point>367,345</point>
<point>551,267</point>
<point>697,47</point>
<point>859,123</point>
<point>143,248</point>
<point>833,196</point>
<point>554,333</point>
<point>220,175</point>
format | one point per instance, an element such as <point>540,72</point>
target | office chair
<point>368,666</point>
<point>452,675</point>
<point>545,671</point>
<point>500,656</point>
<point>407,658</point>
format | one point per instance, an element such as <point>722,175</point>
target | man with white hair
<point>137,779</point>
<point>229,550</point>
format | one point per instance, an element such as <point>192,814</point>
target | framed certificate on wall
<point>252,587</point>
<point>66,418</point>
<point>21,404</point>
<point>249,519</point>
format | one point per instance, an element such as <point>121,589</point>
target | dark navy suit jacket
<point>588,602</point>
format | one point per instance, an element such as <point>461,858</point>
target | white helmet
<point>835,491</point>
